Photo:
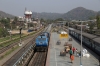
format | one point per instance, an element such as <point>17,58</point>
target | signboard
<point>63,35</point>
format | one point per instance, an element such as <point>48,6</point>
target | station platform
<point>54,58</point>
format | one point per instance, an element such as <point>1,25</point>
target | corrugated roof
<point>97,40</point>
<point>90,36</point>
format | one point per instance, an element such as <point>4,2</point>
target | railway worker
<point>73,50</point>
<point>80,54</point>
<point>76,52</point>
<point>70,52</point>
<point>84,52</point>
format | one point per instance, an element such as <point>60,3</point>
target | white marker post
<point>81,46</point>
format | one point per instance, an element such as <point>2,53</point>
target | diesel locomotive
<point>42,42</point>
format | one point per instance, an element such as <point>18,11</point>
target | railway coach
<point>89,40</point>
<point>47,34</point>
<point>42,42</point>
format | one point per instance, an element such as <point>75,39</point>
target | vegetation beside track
<point>5,44</point>
<point>8,38</point>
<point>16,46</point>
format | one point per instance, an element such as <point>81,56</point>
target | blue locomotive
<point>42,42</point>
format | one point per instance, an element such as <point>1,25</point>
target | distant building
<point>28,18</point>
<point>11,20</point>
<point>83,27</point>
<point>61,23</point>
<point>20,18</point>
<point>28,15</point>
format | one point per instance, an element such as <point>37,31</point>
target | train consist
<point>91,41</point>
<point>42,42</point>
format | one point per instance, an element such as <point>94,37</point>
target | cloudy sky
<point>17,7</point>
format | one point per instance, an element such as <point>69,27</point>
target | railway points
<point>54,58</point>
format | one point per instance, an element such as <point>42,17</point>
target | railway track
<point>36,60</point>
<point>16,56</point>
<point>15,43</point>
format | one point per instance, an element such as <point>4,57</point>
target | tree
<point>15,19</point>
<point>59,19</point>
<point>66,24</point>
<point>5,22</point>
<point>92,17</point>
<point>14,22</point>
<point>3,32</point>
<point>98,21</point>
<point>91,26</point>
<point>42,20</point>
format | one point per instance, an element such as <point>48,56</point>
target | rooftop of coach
<point>90,36</point>
<point>97,40</point>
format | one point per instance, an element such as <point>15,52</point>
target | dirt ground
<point>17,31</point>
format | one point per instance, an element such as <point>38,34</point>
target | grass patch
<point>8,43</point>
<point>9,52</point>
<point>5,44</point>
<point>8,38</point>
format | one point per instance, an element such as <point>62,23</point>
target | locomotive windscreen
<point>41,39</point>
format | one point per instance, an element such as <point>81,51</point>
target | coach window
<point>97,47</point>
<point>75,35</point>
<point>79,37</point>
<point>93,43</point>
<point>71,32</point>
<point>83,38</point>
<point>87,41</point>
<point>90,42</point>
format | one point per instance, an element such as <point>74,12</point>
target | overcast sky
<point>17,7</point>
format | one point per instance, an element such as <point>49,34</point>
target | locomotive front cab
<point>41,43</point>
